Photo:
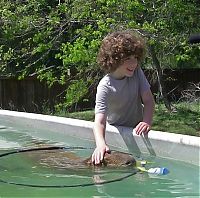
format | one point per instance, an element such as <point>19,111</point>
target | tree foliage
<point>48,39</point>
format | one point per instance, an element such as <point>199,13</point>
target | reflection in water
<point>11,138</point>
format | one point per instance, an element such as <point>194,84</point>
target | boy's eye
<point>126,59</point>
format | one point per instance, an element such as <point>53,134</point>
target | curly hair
<point>118,46</point>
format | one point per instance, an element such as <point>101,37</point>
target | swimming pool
<point>23,168</point>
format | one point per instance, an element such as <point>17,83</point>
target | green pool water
<point>26,175</point>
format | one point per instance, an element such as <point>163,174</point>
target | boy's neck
<point>117,75</point>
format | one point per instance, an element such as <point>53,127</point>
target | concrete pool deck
<point>167,145</point>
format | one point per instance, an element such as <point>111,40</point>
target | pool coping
<point>157,143</point>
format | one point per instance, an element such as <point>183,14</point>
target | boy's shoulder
<point>105,80</point>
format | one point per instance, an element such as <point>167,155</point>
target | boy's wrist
<point>147,122</point>
<point>101,144</point>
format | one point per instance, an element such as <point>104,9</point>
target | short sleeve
<point>144,84</point>
<point>101,105</point>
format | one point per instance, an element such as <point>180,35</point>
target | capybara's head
<point>115,159</point>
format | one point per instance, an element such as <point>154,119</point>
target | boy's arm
<point>99,134</point>
<point>149,104</point>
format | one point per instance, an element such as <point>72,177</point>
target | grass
<point>185,120</point>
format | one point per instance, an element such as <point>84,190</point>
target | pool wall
<point>168,145</point>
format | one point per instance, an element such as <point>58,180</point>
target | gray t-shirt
<point>121,100</point>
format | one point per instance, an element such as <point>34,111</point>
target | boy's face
<point>127,68</point>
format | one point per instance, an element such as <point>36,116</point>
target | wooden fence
<point>28,95</point>
<point>31,95</point>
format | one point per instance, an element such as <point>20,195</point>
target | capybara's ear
<point>107,155</point>
<point>109,151</point>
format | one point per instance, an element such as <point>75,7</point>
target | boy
<point>123,95</point>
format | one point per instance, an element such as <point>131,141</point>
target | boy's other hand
<point>142,127</point>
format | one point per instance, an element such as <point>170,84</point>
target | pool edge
<point>157,143</point>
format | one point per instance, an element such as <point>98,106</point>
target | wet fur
<point>71,160</point>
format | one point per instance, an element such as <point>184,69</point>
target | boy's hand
<point>98,154</point>
<point>142,127</point>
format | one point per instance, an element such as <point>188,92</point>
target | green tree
<point>57,41</point>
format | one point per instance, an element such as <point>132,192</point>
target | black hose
<point>58,186</point>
